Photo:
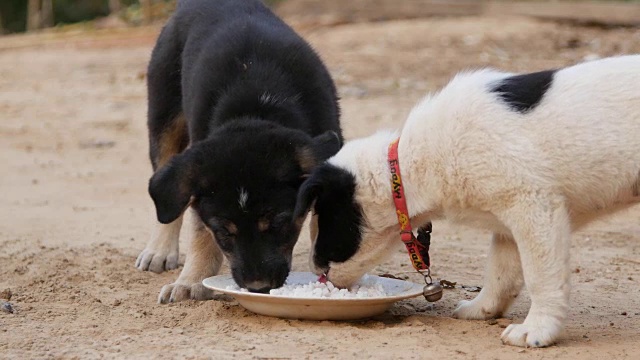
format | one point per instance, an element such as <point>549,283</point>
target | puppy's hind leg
<point>541,228</point>
<point>167,137</point>
<point>204,259</point>
<point>502,282</point>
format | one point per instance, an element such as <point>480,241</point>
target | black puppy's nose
<point>259,286</point>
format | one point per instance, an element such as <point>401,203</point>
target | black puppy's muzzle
<point>262,287</point>
<point>261,279</point>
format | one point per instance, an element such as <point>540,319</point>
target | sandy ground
<point>74,211</point>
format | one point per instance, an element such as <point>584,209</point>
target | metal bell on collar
<point>432,292</point>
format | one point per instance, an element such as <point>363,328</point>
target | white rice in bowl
<point>316,289</point>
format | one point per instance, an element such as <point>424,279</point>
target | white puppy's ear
<point>308,193</point>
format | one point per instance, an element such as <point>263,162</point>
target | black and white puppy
<point>531,157</point>
<point>241,109</point>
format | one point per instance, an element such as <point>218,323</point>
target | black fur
<point>261,111</point>
<point>524,92</point>
<point>340,217</point>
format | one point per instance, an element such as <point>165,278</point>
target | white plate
<point>317,308</point>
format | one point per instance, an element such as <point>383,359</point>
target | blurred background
<point>29,15</point>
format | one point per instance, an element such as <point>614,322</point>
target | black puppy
<point>240,110</point>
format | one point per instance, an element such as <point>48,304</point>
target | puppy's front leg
<point>542,230</point>
<point>313,234</point>
<point>161,252</point>
<point>204,259</point>
<point>502,282</point>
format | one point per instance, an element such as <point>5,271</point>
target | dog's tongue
<point>323,278</point>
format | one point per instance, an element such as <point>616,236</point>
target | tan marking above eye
<point>263,224</point>
<point>231,228</point>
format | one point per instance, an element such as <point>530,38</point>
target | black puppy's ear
<point>326,145</point>
<point>320,149</point>
<point>307,194</point>
<point>171,187</point>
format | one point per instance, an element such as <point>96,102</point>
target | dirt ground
<point>74,211</point>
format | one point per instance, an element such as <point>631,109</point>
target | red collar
<point>418,248</point>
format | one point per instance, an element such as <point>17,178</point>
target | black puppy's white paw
<point>157,260</point>
<point>162,252</point>
<point>175,292</point>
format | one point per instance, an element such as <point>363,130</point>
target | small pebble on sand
<point>7,307</point>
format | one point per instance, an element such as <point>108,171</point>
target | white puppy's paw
<point>180,291</point>
<point>157,260</point>
<point>476,309</point>
<point>537,331</point>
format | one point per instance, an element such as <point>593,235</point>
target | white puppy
<point>531,157</point>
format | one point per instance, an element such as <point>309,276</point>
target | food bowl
<point>308,308</point>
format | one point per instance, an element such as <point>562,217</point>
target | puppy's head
<point>353,213</point>
<point>243,181</point>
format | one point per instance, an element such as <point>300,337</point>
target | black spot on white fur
<point>339,215</point>
<point>524,92</point>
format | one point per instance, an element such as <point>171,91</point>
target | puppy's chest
<point>474,218</point>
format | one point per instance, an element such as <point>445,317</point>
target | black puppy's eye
<point>223,228</point>
<point>224,238</point>
<point>281,222</point>
<point>274,223</point>
<point>223,231</point>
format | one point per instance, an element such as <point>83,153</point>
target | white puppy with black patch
<point>530,157</point>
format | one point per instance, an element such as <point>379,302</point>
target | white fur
<point>161,252</point>
<point>530,178</point>
<point>242,198</point>
<point>267,98</point>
